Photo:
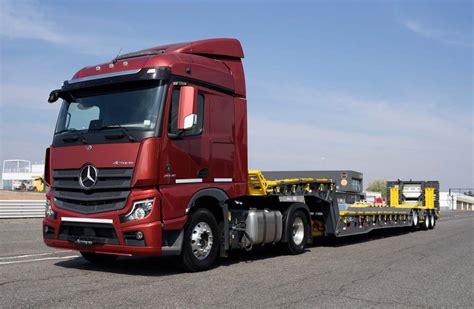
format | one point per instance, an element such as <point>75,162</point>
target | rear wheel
<point>201,241</point>
<point>297,233</point>
<point>97,258</point>
<point>415,219</point>
<point>432,221</point>
<point>426,223</point>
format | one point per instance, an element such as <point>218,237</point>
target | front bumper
<point>105,233</point>
<point>118,243</point>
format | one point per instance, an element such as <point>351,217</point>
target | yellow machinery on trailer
<point>409,203</point>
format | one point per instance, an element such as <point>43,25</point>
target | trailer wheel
<point>297,233</point>
<point>97,258</point>
<point>432,221</point>
<point>201,241</point>
<point>415,219</point>
<point>426,223</point>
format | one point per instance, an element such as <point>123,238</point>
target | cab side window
<point>173,119</point>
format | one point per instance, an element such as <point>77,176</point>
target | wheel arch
<point>214,200</point>
<point>292,208</point>
<point>211,198</point>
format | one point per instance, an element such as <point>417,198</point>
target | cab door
<point>185,154</point>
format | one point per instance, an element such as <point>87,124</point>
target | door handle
<point>203,173</point>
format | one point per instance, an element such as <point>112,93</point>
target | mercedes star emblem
<point>88,177</point>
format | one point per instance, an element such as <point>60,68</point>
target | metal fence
<point>21,209</point>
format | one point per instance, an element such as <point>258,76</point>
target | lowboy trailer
<point>149,157</point>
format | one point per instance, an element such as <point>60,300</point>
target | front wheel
<point>297,233</point>
<point>97,258</point>
<point>201,241</point>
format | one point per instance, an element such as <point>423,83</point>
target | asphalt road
<point>391,269</point>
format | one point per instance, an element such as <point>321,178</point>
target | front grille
<point>109,193</point>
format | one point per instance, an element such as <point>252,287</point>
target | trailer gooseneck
<point>149,157</point>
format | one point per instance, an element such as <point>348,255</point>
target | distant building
<point>456,201</point>
<point>349,183</point>
<point>15,172</point>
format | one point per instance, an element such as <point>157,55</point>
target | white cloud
<point>308,129</point>
<point>448,37</point>
<point>27,20</point>
<point>32,20</point>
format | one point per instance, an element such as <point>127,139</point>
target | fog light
<point>139,235</point>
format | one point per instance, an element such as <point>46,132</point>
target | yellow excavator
<point>37,184</point>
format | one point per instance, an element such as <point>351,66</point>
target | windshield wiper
<point>117,126</point>
<point>73,138</point>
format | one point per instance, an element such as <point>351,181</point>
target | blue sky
<point>383,87</point>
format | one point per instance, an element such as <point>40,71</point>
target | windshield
<point>135,109</point>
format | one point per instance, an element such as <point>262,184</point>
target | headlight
<point>140,210</point>
<point>48,211</point>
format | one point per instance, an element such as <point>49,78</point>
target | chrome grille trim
<point>110,192</point>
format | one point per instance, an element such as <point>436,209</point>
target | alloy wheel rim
<point>201,240</point>
<point>298,231</point>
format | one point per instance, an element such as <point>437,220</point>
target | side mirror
<point>53,96</point>
<point>187,117</point>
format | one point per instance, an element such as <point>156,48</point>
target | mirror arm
<point>57,94</point>
<point>53,96</point>
<point>176,136</point>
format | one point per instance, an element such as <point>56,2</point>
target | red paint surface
<point>100,155</point>
<point>147,172</point>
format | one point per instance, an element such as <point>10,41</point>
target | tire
<point>425,225</point>
<point>97,258</point>
<point>415,219</point>
<point>432,220</point>
<point>201,241</point>
<point>297,233</point>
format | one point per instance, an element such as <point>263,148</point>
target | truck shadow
<point>356,239</point>
<point>165,266</point>
<point>137,266</point>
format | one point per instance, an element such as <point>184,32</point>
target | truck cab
<point>139,142</point>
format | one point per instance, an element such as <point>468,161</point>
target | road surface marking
<point>43,259</point>
<point>31,255</point>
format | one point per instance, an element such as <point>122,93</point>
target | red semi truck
<point>149,157</point>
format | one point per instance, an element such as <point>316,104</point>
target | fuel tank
<point>264,226</point>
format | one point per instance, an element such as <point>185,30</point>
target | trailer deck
<point>358,218</point>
